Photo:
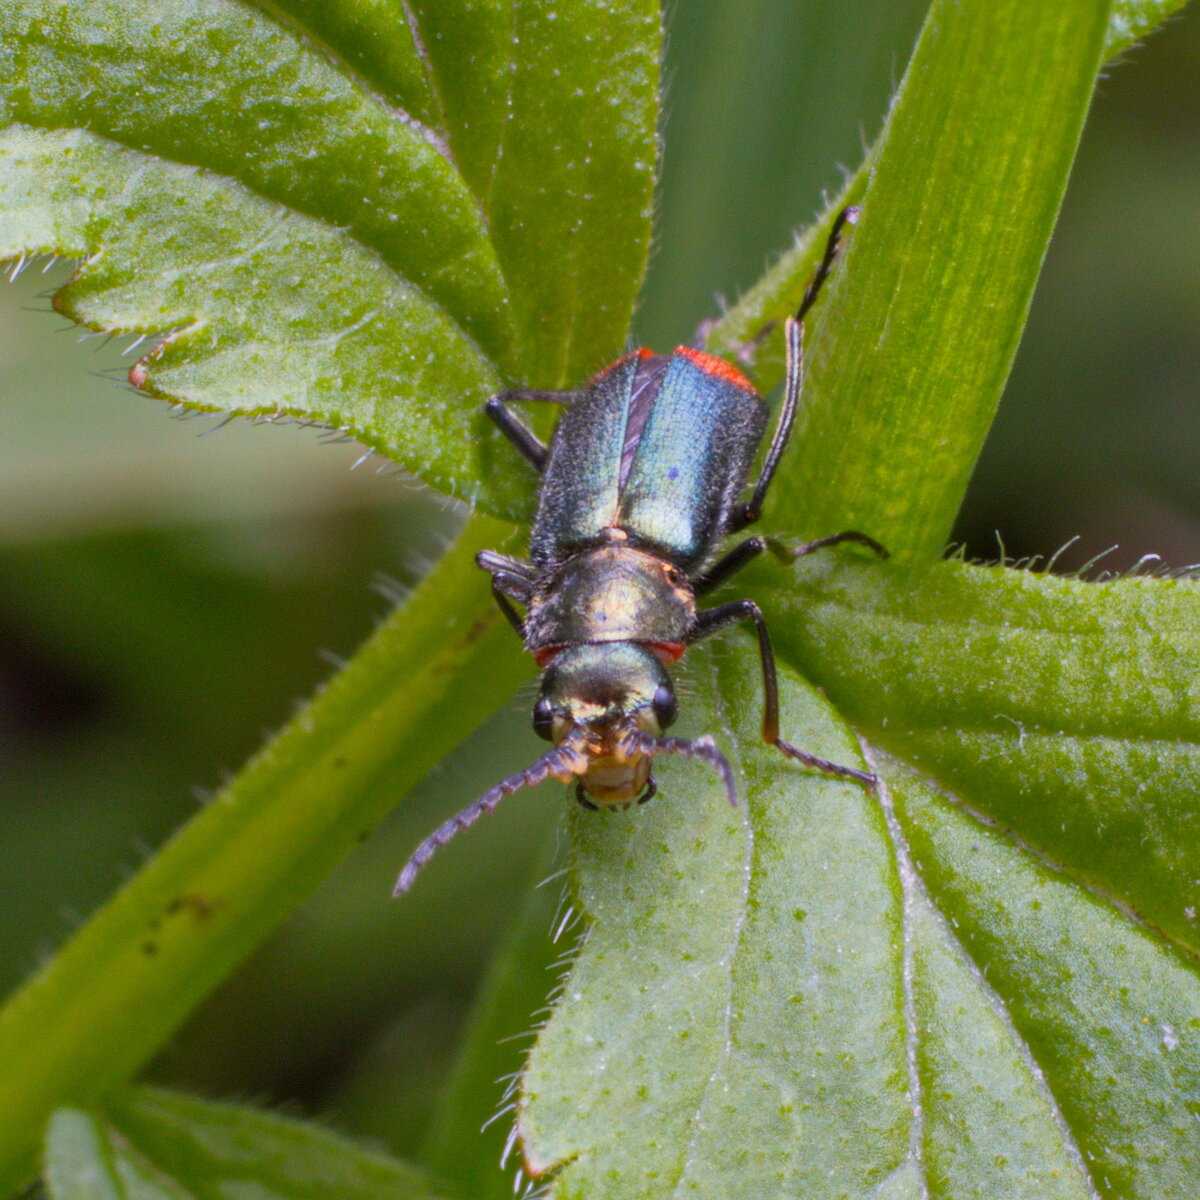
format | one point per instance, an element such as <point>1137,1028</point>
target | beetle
<point>640,484</point>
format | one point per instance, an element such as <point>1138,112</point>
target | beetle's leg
<point>746,552</point>
<point>848,216</point>
<point>793,333</point>
<point>582,796</point>
<point>517,578</point>
<point>511,578</point>
<point>746,610</point>
<point>502,603</point>
<point>729,565</point>
<point>789,554</point>
<point>494,563</point>
<point>748,513</point>
<point>530,446</point>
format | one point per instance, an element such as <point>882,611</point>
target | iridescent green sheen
<point>659,447</point>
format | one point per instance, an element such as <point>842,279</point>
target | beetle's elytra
<point>640,485</point>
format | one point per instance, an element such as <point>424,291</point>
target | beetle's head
<point>597,698</point>
<point>604,706</point>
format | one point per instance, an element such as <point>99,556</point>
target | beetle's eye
<point>665,706</point>
<point>543,720</point>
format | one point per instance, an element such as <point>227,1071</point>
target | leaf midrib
<point>915,892</point>
<point>1100,894</point>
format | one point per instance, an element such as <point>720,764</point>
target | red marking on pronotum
<point>710,364</point>
<point>666,652</point>
<point>544,655</point>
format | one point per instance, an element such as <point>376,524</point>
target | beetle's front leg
<point>511,579</point>
<point>746,610</point>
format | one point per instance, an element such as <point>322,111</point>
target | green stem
<point>781,288</point>
<point>909,353</point>
<point>437,667</point>
<point>918,334</point>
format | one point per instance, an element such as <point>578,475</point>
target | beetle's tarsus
<point>792,553</point>
<point>866,778</point>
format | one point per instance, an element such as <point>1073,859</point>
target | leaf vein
<point>1000,1009</point>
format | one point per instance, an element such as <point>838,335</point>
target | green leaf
<point>223,87</point>
<point>270,311</point>
<point>157,1145</point>
<point>1054,860</point>
<point>551,111</point>
<point>1064,980</point>
<point>981,986</point>
<point>1134,19</point>
<point>1066,711</point>
<point>938,278</point>
<point>964,190</point>
<point>123,984</point>
<point>309,249</point>
<point>988,1122</point>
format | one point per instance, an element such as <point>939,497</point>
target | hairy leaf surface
<point>366,216</point>
<point>750,1038</point>
<point>972,984</point>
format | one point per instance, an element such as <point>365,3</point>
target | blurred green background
<point>166,599</point>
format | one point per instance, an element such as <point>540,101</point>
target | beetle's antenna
<point>563,762</point>
<point>703,748</point>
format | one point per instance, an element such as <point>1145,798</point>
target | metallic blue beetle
<point>640,484</point>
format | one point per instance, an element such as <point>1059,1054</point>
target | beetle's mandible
<point>641,483</point>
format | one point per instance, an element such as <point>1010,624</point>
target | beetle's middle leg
<point>746,552</point>
<point>746,610</point>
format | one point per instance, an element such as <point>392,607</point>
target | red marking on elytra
<point>643,353</point>
<point>710,364</point>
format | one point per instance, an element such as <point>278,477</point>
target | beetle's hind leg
<point>715,619</point>
<point>793,335</point>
